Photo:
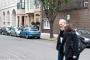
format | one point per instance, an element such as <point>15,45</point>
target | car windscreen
<point>34,29</point>
<point>30,29</point>
<point>83,32</point>
<point>26,29</point>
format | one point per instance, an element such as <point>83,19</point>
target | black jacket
<point>59,45</point>
<point>70,44</point>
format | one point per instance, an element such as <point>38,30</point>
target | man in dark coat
<point>70,44</point>
<point>59,47</point>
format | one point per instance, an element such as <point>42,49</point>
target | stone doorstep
<point>46,36</point>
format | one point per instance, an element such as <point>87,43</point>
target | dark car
<point>6,30</point>
<point>85,35</point>
<point>0,30</point>
<point>30,32</point>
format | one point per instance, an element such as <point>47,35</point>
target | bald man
<point>62,23</point>
<point>59,47</point>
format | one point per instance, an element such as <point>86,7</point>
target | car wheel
<point>20,36</point>
<point>26,36</point>
<point>38,37</point>
<point>15,35</point>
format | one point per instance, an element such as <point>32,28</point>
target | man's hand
<point>74,57</point>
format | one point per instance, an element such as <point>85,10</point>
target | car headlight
<point>87,39</point>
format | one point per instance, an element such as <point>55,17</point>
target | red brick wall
<point>79,18</point>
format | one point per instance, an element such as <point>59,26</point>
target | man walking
<point>70,43</point>
<point>59,47</point>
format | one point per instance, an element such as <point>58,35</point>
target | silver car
<point>85,35</point>
<point>15,31</point>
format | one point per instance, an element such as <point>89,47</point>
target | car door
<point>11,32</point>
<point>21,33</point>
<point>24,32</point>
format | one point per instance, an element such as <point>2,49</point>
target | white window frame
<point>23,4</point>
<point>46,24</point>
<point>86,4</point>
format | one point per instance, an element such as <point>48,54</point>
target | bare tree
<point>51,9</point>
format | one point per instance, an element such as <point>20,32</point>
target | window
<point>27,5</point>
<point>37,4</point>
<point>18,5</point>
<point>46,24</point>
<point>85,4</point>
<point>23,4</point>
<point>32,4</point>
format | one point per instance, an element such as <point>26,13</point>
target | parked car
<point>15,31</point>
<point>6,30</point>
<point>0,30</point>
<point>85,35</point>
<point>30,32</point>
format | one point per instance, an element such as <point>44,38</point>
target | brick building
<point>76,11</point>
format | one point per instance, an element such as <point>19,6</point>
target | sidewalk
<point>46,36</point>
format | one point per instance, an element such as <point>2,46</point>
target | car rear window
<point>84,32</point>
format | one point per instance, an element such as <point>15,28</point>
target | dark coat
<point>59,45</point>
<point>70,44</point>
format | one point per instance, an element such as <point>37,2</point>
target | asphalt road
<point>15,48</point>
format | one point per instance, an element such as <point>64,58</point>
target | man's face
<point>62,24</point>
